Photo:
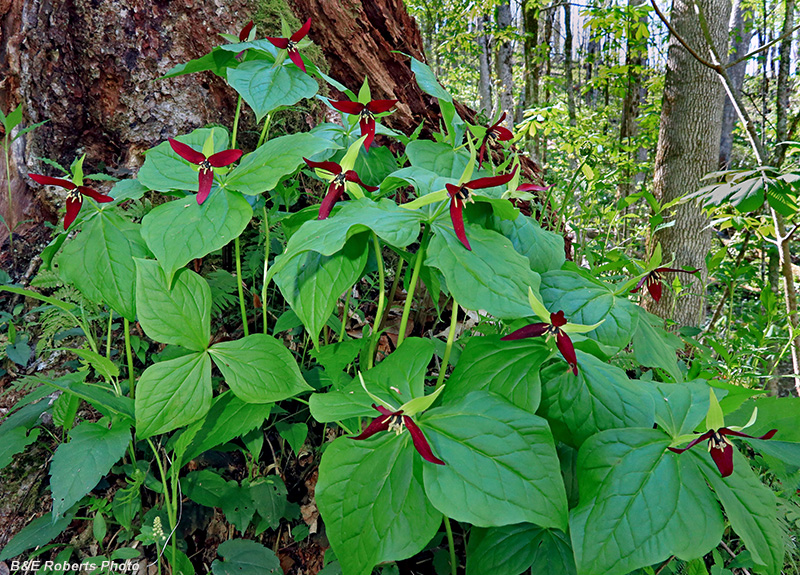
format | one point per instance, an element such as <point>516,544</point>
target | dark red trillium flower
<point>653,281</point>
<point>337,186</point>
<point>494,133</point>
<point>563,342</point>
<point>366,113</point>
<point>396,421</point>
<point>290,44</point>
<point>720,447</point>
<point>206,163</point>
<point>461,193</point>
<point>245,32</point>
<point>74,195</point>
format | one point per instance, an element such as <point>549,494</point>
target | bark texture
<point>485,64</point>
<point>741,30</point>
<point>688,148</point>
<point>783,88</point>
<point>90,68</point>
<point>505,65</point>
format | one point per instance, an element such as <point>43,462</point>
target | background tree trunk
<point>783,88</point>
<point>741,30</point>
<point>485,63</point>
<point>568,79</point>
<point>688,148</point>
<point>533,64</point>
<point>505,64</point>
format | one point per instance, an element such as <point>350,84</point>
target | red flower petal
<point>302,32</point>
<point>352,176</point>
<point>491,181</point>
<point>245,32</point>
<point>187,152</point>
<point>348,107</point>
<point>380,423</point>
<point>532,330</point>
<point>420,443</point>
<point>334,195</point>
<point>694,442</point>
<point>498,122</point>
<point>659,270</point>
<point>205,179</point>
<point>451,189</point>
<point>368,130</point>
<point>564,345</point>
<point>280,43</point>
<point>768,435</point>
<point>640,284</point>
<point>73,207</point>
<point>558,319</point>
<point>723,458</point>
<point>224,158</point>
<point>331,167</point>
<point>481,152</point>
<point>294,56</point>
<point>532,188</point>
<point>503,134</point>
<point>654,287</point>
<point>95,195</point>
<point>457,217</point>
<point>48,181</point>
<point>380,106</point>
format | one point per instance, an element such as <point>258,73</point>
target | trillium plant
<point>369,326</point>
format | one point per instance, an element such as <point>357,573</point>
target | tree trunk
<point>635,93</point>
<point>533,64</point>
<point>783,88</point>
<point>688,148</point>
<point>505,64</point>
<point>741,32</point>
<point>568,79</point>
<point>485,64</point>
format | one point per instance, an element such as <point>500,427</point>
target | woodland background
<point>612,109</point>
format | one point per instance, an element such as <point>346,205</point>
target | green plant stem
<point>397,274</point>
<point>10,201</point>
<point>108,334</point>
<point>238,250</point>
<point>345,311</point>
<point>451,544</point>
<point>451,337</point>
<point>412,286</point>
<point>381,301</point>
<point>169,502</point>
<point>266,269</point>
<point>265,130</point>
<point>129,356</point>
<point>236,122</point>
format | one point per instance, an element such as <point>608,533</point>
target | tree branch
<point>761,49</point>
<point>716,67</point>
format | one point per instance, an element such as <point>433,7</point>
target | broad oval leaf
<point>266,87</point>
<point>507,368</point>
<point>180,315</point>
<point>544,249</point>
<point>639,504</point>
<point>99,261</point>
<point>501,464</point>
<point>259,369</point>
<point>373,502</point>
<point>587,301</point>
<point>81,463</point>
<point>245,557</point>
<point>491,277</point>
<point>267,165</point>
<point>179,231</point>
<point>396,380</point>
<point>438,158</point>
<point>600,397</point>
<point>312,283</point>
<point>394,225</point>
<point>173,393</point>
<point>512,549</point>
